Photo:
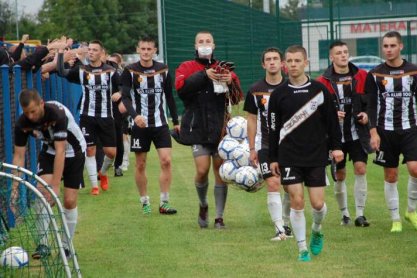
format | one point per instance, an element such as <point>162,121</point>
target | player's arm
<point>273,128</point>
<point>171,101</point>
<point>59,162</point>
<point>251,127</point>
<point>188,81</point>
<point>126,84</point>
<point>73,74</point>
<point>371,91</point>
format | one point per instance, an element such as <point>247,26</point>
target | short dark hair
<point>204,32</point>
<point>271,49</point>
<point>97,42</point>
<point>26,96</point>
<point>336,43</point>
<point>296,48</point>
<point>148,39</point>
<point>393,34</point>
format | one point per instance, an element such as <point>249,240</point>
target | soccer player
<point>98,82</point>
<point>392,88</point>
<point>256,104</point>
<point>207,95</point>
<point>62,155</point>
<point>303,125</point>
<point>146,89</point>
<point>346,83</point>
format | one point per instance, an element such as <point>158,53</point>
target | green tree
<point>118,24</point>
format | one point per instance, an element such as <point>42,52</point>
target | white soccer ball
<point>237,128</point>
<point>241,154</point>
<point>228,170</point>
<point>226,148</point>
<point>15,257</point>
<point>246,177</point>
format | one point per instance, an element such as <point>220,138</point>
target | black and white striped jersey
<point>392,96</point>
<point>146,92</point>
<point>98,84</point>
<point>57,124</point>
<point>256,102</point>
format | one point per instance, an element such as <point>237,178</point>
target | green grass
<point>114,238</point>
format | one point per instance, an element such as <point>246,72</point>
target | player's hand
<point>253,157</point>
<point>212,74</point>
<point>275,169</point>
<point>226,77</point>
<point>337,155</point>
<point>375,140</point>
<point>362,118</point>
<point>25,38</point>
<point>116,97</point>
<point>341,115</point>
<point>140,121</point>
<point>177,128</point>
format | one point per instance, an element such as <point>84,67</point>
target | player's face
<point>34,111</point>
<point>339,55</point>
<point>296,62</point>
<point>146,50</point>
<point>272,62</point>
<point>205,40</point>
<point>391,48</point>
<point>95,52</point>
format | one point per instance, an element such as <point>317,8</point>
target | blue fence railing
<point>51,88</point>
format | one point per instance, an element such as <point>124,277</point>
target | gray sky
<point>28,6</point>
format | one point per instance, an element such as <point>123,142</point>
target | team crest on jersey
<point>263,101</point>
<point>384,82</point>
<point>140,79</point>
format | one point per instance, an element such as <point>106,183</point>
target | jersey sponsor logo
<point>300,91</point>
<point>150,91</point>
<point>397,94</point>
<point>136,144</point>
<point>345,100</point>
<point>61,134</point>
<point>396,72</point>
<point>97,87</point>
<point>345,78</point>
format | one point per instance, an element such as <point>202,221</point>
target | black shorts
<point>103,128</point>
<point>355,151</point>
<point>394,143</point>
<point>206,149</point>
<point>73,169</point>
<point>142,138</point>
<point>264,162</point>
<point>310,176</point>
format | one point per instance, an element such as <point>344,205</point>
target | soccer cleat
<point>104,182</point>
<point>203,217</point>
<point>42,251</point>
<point>94,191</point>
<point>412,218</point>
<point>118,172</point>
<point>361,222</point>
<point>146,209</point>
<point>288,231</point>
<point>345,220</point>
<point>218,223</point>
<point>304,256</point>
<point>165,208</point>
<point>279,236</point>
<point>397,227</point>
<point>316,243</point>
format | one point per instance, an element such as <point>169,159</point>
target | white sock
<point>42,221</point>
<point>275,209</point>
<point>298,223</point>
<point>286,208</point>
<point>392,199</point>
<point>91,166</point>
<point>71,216</point>
<point>412,193</point>
<point>144,200</point>
<point>107,162</point>
<point>126,147</point>
<point>341,197</point>
<point>360,191</point>
<point>164,197</point>
<point>318,217</point>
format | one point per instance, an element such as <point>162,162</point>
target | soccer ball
<point>15,257</point>
<point>237,128</point>
<point>241,154</point>
<point>246,177</point>
<point>228,170</point>
<point>226,148</point>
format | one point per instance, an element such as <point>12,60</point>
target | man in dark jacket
<point>346,83</point>
<point>208,91</point>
